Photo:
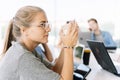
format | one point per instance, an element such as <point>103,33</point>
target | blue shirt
<point>107,38</point>
<point>40,51</point>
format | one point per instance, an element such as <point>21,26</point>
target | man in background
<point>99,35</point>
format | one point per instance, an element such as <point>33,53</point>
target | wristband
<point>68,47</point>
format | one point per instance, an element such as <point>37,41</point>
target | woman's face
<point>39,29</point>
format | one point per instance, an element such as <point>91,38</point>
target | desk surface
<point>97,73</point>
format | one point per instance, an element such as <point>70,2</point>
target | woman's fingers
<point>75,38</point>
<point>74,26</point>
<point>70,39</point>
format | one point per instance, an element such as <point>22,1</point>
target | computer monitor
<point>83,36</point>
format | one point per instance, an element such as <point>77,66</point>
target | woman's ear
<point>23,30</point>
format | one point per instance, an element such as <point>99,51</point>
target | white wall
<point>59,11</point>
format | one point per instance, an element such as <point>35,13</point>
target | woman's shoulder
<point>15,52</point>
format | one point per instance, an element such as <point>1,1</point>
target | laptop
<point>83,36</point>
<point>103,58</point>
<point>111,47</point>
<point>81,72</point>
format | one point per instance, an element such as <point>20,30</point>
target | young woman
<point>27,30</point>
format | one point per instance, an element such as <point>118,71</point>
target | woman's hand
<point>70,38</point>
<point>47,52</point>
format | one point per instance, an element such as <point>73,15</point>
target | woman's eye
<point>41,24</point>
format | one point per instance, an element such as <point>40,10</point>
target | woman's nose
<point>48,29</point>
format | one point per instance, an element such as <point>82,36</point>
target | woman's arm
<point>67,70</point>
<point>59,63</point>
<point>64,64</point>
<point>47,52</point>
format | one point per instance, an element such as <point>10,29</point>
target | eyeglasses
<point>44,25</point>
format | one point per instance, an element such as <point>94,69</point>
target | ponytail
<point>23,17</point>
<point>8,38</point>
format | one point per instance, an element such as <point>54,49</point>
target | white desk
<point>97,73</point>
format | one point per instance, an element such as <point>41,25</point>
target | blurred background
<point>107,12</point>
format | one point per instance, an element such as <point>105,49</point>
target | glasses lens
<point>48,25</point>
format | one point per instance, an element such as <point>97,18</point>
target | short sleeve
<point>42,57</point>
<point>31,68</point>
<point>47,63</point>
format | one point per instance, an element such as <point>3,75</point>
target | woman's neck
<point>29,45</point>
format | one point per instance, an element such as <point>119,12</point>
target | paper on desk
<point>115,57</point>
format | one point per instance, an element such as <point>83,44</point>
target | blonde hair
<point>23,17</point>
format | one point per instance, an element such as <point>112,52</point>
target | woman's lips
<point>46,35</point>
